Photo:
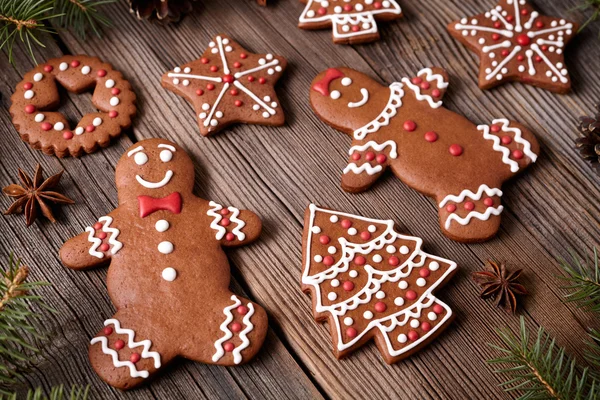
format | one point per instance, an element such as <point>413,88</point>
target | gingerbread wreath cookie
<point>228,84</point>
<point>168,275</point>
<point>517,43</point>
<point>37,95</point>
<point>352,21</point>
<point>430,148</point>
<point>371,282</point>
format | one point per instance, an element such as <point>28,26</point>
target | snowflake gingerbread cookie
<point>371,282</point>
<point>351,21</point>
<point>430,148</point>
<point>170,287</point>
<point>228,84</point>
<point>517,43</point>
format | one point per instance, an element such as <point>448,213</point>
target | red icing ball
<point>97,226</point>
<point>524,40</point>
<point>322,11</point>
<point>365,235</point>
<point>381,158</point>
<point>115,91</point>
<point>456,150</point>
<point>238,103</point>
<point>393,261</point>
<point>48,68</point>
<point>544,48</point>
<point>102,235</point>
<point>377,5</point>
<point>411,294</point>
<point>469,206</point>
<point>425,85</point>
<point>229,236</point>
<point>517,154</point>
<point>228,79</point>
<point>351,332</point>
<point>67,135</point>
<point>538,59</point>
<point>237,64</point>
<point>328,261</point>
<point>119,344</point>
<point>236,327</point>
<point>214,68</point>
<point>199,92</point>
<point>506,140</point>
<point>426,326</point>
<point>101,73</point>
<point>46,126</point>
<point>360,260</point>
<point>450,208</point>
<point>346,223</point>
<point>412,336</point>
<point>370,156</point>
<point>242,310</point>
<point>356,156</point>
<point>504,53</point>
<point>348,7</point>
<point>495,36</point>
<point>488,201</point>
<point>416,80</point>
<point>348,286</point>
<point>424,272</point>
<point>497,24</point>
<point>262,81</point>
<point>224,211</point>
<point>250,78</point>
<point>410,126</point>
<point>104,247</point>
<point>234,92</point>
<point>324,239</point>
<point>210,86</point>
<point>510,18</point>
<point>204,60</point>
<point>438,309</point>
<point>135,357</point>
<point>225,222</point>
<point>74,63</point>
<point>520,57</point>
<point>524,12</point>
<point>228,347</point>
<point>355,28</point>
<point>431,136</point>
<point>107,330</point>
<point>436,93</point>
<point>243,55</point>
<point>113,114</point>
<point>29,108</point>
<point>27,85</point>
<point>539,24</point>
<point>495,128</point>
<point>380,306</point>
<point>90,128</point>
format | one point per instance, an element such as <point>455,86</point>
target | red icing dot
<point>262,81</point>
<point>348,7</point>
<point>424,272</point>
<point>469,206</point>
<point>104,247</point>
<point>495,128</point>
<point>544,48</point>
<point>488,201</point>
<point>102,235</point>
<point>328,261</point>
<point>510,18</point>
<point>237,64</point>
<point>135,357</point>
<point>425,85</point>
<point>495,36</point>
<point>410,126</point>
<point>524,12</point>
<point>377,5</point>
<point>74,63</point>
<point>29,108</point>
<point>214,68</point>
<point>351,332</point>
<point>67,135</point>
<point>365,235</point>
<point>119,344</point>
<point>113,114</point>
<point>46,126</point>
<point>506,140</point>
<point>228,79</point>
<point>370,156</point>
<point>250,78</point>
<point>199,92</point>
<point>497,24</point>
<point>436,93</point>
<point>236,327</point>
<point>204,60</point>
<point>450,208</point>
<point>416,80</point>
<point>90,128</point>
<point>324,239</point>
<point>242,310</point>
<point>393,261</point>
<point>115,91</point>
<point>234,92</point>
<point>238,103</point>
<point>356,156</point>
<point>426,326</point>
<point>225,222</point>
<point>539,24</point>
<point>381,158</point>
<point>228,347</point>
<point>101,73</point>
<point>517,154</point>
<point>348,286</point>
<point>411,294</point>
<point>505,53</point>
<point>538,59</point>
<point>224,211</point>
<point>431,136</point>
<point>355,28</point>
<point>412,336</point>
<point>322,11</point>
<point>229,236</point>
<point>48,68</point>
<point>97,226</point>
<point>107,330</point>
<point>380,306</point>
<point>210,86</point>
<point>438,309</point>
<point>524,40</point>
<point>27,85</point>
<point>346,223</point>
<point>520,57</point>
<point>243,55</point>
<point>360,260</point>
<point>456,150</point>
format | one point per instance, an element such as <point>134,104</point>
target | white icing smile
<point>155,185</point>
<point>363,101</point>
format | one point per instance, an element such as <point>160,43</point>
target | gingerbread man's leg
<point>231,333</point>
<point>129,349</point>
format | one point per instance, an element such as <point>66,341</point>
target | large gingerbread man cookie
<point>168,275</point>
<point>430,148</point>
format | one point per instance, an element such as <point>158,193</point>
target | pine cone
<point>163,11</point>
<point>589,144</point>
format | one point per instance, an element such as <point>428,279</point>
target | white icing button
<point>109,83</point>
<point>432,316</point>
<point>28,94</point>
<point>348,321</point>
<point>335,283</point>
<point>206,106</point>
<point>377,258</point>
<point>266,114</point>
<point>331,296</point>
<point>368,315</point>
<point>390,249</point>
<point>421,282</point>
<point>399,301</point>
<point>256,107</point>
<point>39,117</point>
<point>97,121</point>
<point>346,81</point>
<point>114,101</point>
<point>404,250</point>
<point>402,338</point>
<point>380,295</point>
<point>353,274</point>
<point>372,228</point>
<point>315,229</point>
<point>414,323</point>
<point>165,247</point>
<point>63,66</point>
<point>403,285</point>
<point>310,14</point>
<point>169,274</point>
<point>186,82</point>
<point>331,250</point>
<point>337,9</point>
<point>166,155</point>
<point>162,225</point>
<point>177,69</point>
<point>140,158</point>
<point>333,219</point>
<point>214,122</point>
<point>219,114</point>
<point>79,130</point>
<point>318,258</point>
<point>202,115</point>
<point>434,265</point>
<point>274,105</point>
<point>38,77</point>
<point>352,231</point>
<point>59,126</point>
<point>335,94</point>
<point>187,70</point>
<point>85,70</point>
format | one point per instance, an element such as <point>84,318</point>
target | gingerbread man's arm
<point>233,227</point>
<point>95,246</point>
<point>429,85</point>
<point>367,162</point>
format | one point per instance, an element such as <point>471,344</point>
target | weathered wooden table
<point>276,172</point>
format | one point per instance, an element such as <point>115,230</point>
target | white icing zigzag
<point>237,231</point>
<point>390,110</point>
<point>95,243</point>
<point>474,214</point>
<point>220,352</point>
<point>514,166</point>
<point>214,212</point>
<point>429,77</point>
<point>237,356</point>
<point>475,196</point>
<point>366,167</point>
<point>114,233</point>
<point>377,147</point>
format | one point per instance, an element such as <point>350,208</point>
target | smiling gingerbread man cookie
<point>168,275</point>
<point>430,148</point>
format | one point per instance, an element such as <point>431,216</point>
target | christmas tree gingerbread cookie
<point>371,282</point>
<point>168,275</point>
<point>351,21</point>
<point>517,43</point>
<point>430,148</point>
<point>228,84</point>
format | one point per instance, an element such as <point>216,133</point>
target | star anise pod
<point>31,195</point>
<point>589,143</point>
<point>497,282</point>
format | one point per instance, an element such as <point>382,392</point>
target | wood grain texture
<point>552,210</point>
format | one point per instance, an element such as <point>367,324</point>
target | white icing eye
<point>166,155</point>
<point>335,95</point>
<point>346,81</point>
<point>140,158</point>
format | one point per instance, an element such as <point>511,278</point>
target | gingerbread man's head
<point>156,168</point>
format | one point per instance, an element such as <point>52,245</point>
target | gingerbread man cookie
<point>37,95</point>
<point>228,85</point>
<point>352,21</point>
<point>168,275</point>
<point>517,43</point>
<point>371,282</point>
<point>430,148</point>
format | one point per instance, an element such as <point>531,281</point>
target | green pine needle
<point>56,393</point>
<point>81,15</point>
<point>538,368</point>
<point>590,4</point>
<point>593,355</point>
<point>583,281</point>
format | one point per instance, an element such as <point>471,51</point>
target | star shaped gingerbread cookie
<point>228,84</point>
<point>517,43</point>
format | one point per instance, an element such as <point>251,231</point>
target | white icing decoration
<point>361,102</point>
<point>348,321</point>
<point>474,214</point>
<point>63,66</point>
<point>474,196</point>
<point>432,316</point>
<point>237,357</point>
<point>39,117</point>
<point>85,70</point>
<point>390,110</point>
<point>79,130</point>
<point>377,147</point>
<point>109,83</point>
<point>29,94</point>
<point>414,323</point>
<point>366,167</point>
<point>59,126</point>
<point>166,155</point>
<point>169,274</point>
<point>429,77</point>
<point>140,158</point>
<point>434,265</point>
<point>162,225</point>
<point>332,296</point>
<point>165,247</point>
<point>97,121</point>
<point>497,146</point>
<point>155,185</point>
<point>38,77</point>
<point>114,101</point>
<point>221,231</point>
<point>95,243</point>
<point>335,94</point>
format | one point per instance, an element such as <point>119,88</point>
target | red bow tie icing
<point>322,86</point>
<point>148,204</point>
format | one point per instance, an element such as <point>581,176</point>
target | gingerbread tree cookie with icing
<point>351,21</point>
<point>228,84</point>
<point>371,282</point>
<point>517,43</point>
<point>168,275</point>
<point>430,148</point>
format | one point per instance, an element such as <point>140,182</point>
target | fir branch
<point>81,15</point>
<point>56,393</point>
<point>583,281</point>
<point>540,369</point>
<point>589,4</point>
<point>593,355</point>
